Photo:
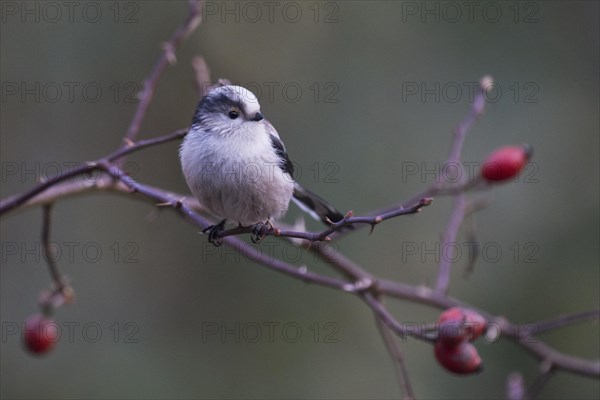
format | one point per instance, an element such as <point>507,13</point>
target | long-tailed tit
<point>237,166</point>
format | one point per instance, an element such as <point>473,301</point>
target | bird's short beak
<point>258,117</point>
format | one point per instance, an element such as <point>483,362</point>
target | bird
<point>238,168</point>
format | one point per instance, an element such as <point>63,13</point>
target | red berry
<point>461,358</point>
<point>475,324</point>
<point>457,324</point>
<point>41,334</point>
<point>451,330</point>
<point>506,163</point>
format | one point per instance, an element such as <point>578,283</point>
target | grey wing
<point>284,160</point>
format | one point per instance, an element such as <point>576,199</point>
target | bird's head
<point>226,110</point>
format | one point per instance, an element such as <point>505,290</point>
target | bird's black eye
<point>233,114</point>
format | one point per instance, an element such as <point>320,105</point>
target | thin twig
<point>441,188</point>
<point>449,237</point>
<point>202,75</point>
<point>61,292</point>
<point>9,204</point>
<point>166,58</point>
<point>547,370</point>
<point>325,235</point>
<point>397,358</point>
<point>401,330</point>
<point>460,202</point>
<point>471,238</point>
<point>562,320</point>
<point>49,251</point>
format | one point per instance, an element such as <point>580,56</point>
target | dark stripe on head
<point>219,103</point>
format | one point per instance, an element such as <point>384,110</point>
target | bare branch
<point>61,292</point>
<point>9,204</point>
<point>397,358</point>
<point>348,220</point>
<point>456,219</point>
<point>403,331</point>
<point>202,74</point>
<point>50,252</point>
<point>471,238</point>
<point>562,320</point>
<point>166,58</point>
<point>460,203</point>
<point>547,370</point>
<point>243,248</point>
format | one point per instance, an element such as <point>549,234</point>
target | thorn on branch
<point>376,221</point>
<point>372,229</point>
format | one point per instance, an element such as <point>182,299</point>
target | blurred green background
<point>377,96</point>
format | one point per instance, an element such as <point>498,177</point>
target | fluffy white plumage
<point>230,164</point>
<point>236,165</point>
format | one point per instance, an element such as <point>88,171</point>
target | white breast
<point>237,177</point>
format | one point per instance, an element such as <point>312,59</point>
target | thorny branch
<point>334,227</point>
<point>356,279</point>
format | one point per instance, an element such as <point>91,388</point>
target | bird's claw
<point>259,232</point>
<point>213,233</point>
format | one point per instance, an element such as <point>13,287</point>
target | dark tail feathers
<point>316,206</point>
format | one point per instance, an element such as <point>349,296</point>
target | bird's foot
<point>260,230</point>
<point>213,233</point>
